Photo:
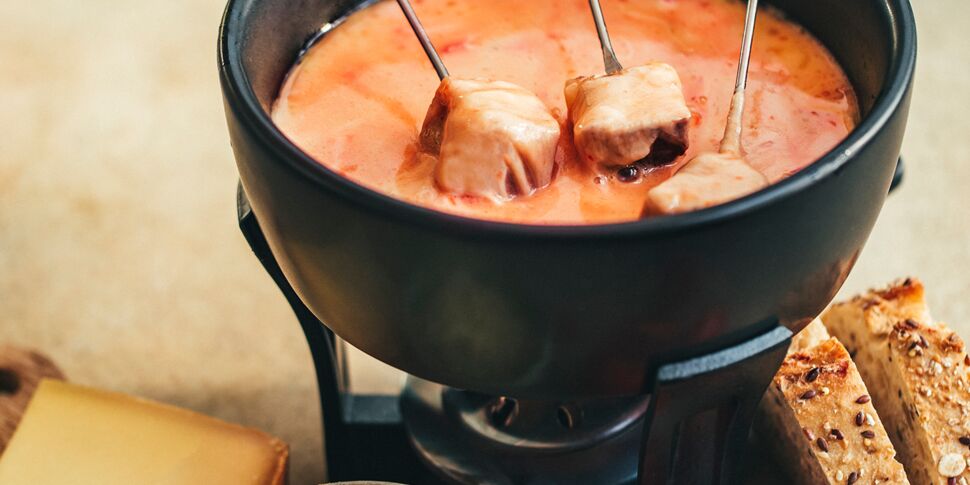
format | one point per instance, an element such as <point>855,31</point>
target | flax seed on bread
<point>917,371</point>
<point>819,409</point>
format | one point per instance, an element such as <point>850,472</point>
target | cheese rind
<point>71,434</point>
<point>21,371</point>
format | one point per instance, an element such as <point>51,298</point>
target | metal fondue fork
<point>731,143</point>
<point>422,35</point>
<point>612,64</point>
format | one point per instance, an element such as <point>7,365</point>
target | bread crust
<point>917,370</point>
<point>814,406</point>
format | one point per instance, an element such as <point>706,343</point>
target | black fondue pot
<point>550,312</point>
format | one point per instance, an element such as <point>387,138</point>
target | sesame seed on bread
<point>819,411</point>
<point>917,370</point>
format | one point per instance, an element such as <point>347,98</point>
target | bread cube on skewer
<point>635,116</point>
<point>492,139</point>
<point>709,179</point>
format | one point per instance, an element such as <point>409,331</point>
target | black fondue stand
<point>471,438</point>
<point>596,355</point>
<point>691,425</point>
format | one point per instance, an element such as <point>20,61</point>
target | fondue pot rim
<point>242,100</point>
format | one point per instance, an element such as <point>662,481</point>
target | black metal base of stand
<point>694,430</point>
<point>471,438</point>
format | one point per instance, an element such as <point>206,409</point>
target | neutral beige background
<point>119,254</point>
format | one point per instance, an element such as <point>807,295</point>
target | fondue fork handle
<point>731,144</point>
<point>423,38</point>
<point>609,55</point>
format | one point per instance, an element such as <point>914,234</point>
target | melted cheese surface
<point>356,100</point>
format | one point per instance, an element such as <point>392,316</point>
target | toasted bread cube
<point>810,414</point>
<point>492,139</point>
<point>917,370</point>
<point>709,179</point>
<point>637,115</point>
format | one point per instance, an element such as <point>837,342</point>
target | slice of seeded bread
<point>819,412</point>
<point>917,371</point>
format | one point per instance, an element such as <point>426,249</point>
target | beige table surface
<point>119,253</point>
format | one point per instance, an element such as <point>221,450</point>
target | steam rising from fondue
<point>357,99</point>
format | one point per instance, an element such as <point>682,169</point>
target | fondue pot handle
<point>700,412</point>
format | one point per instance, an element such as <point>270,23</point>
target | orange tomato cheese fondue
<point>356,100</point>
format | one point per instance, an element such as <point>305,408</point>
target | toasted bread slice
<point>820,412</point>
<point>917,371</point>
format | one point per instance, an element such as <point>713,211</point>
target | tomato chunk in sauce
<point>357,99</point>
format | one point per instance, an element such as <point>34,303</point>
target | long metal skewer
<point>609,56</point>
<point>422,35</point>
<point>731,144</point>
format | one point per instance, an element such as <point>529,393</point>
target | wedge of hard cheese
<point>79,436</point>
<point>819,414</point>
<point>917,371</point>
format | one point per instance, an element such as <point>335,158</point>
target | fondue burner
<point>690,427</point>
